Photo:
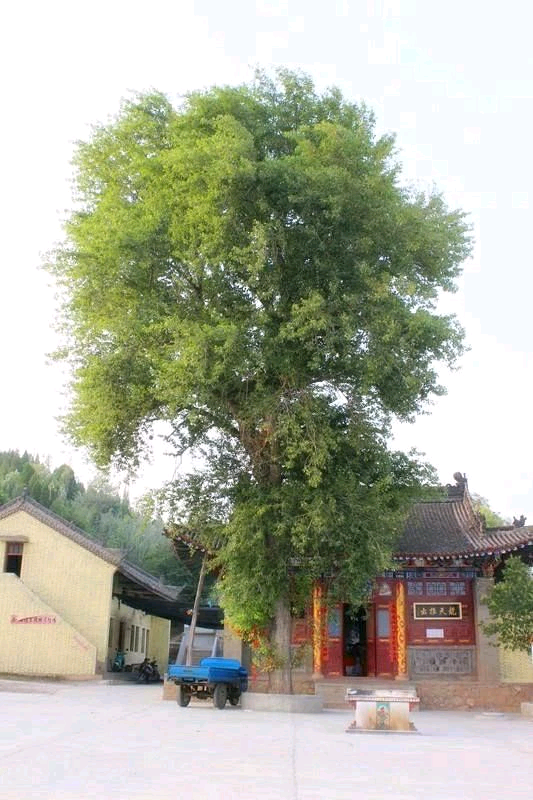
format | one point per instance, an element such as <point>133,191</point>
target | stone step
<point>333,691</point>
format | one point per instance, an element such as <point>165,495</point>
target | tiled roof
<point>112,556</point>
<point>186,540</point>
<point>451,528</point>
<point>444,528</point>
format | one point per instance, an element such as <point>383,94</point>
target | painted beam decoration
<point>437,610</point>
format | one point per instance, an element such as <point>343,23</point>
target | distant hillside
<point>99,511</point>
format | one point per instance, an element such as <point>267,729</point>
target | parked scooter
<point>119,661</point>
<point>149,671</point>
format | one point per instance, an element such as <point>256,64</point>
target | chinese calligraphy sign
<point>437,610</point>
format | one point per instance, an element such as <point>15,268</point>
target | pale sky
<point>453,79</point>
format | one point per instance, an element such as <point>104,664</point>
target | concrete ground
<point>61,741</point>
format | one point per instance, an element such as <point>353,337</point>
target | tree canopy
<point>249,268</point>
<point>510,603</point>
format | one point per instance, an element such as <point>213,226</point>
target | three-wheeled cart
<point>219,678</point>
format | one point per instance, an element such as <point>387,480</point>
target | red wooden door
<point>371,641</point>
<point>381,630</point>
<point>334,665</point>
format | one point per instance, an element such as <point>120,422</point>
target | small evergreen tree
<point>511,607</point>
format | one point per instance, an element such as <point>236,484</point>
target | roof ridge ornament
<point>460,479</point>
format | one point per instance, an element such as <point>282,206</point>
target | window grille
<point>457,587</point>
<point>436,588</point>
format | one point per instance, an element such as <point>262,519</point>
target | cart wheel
<point>220,695</point>
<point>234,698</point>
<point>184,696</point>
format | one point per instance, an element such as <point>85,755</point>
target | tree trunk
<point>281,679</point>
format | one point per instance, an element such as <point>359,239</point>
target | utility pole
<point>192,628</point>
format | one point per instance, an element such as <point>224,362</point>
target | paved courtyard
<point>123,742</point>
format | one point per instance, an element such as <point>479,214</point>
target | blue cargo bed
<point>218,678</point>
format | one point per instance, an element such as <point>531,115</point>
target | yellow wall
<point>62,580</point>
<point>160,642</point>
<point>44,644</point>
<point>516,667</point>
<point>72,581</point>
<point>157,630</point>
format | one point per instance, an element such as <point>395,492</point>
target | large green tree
<point>249,268</point>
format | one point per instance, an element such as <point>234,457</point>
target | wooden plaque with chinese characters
<point>437,611</point>
<point>445,600</point>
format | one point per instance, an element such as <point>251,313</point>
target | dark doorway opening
<point>122,636</point>
<point>355,641</point>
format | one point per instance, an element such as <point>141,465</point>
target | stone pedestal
<point>382,710</point>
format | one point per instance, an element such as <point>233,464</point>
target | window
<point>436,588</point>
<point>457,587</point>
<point>136,647</point>
<point>143,639</point>
<point>132,637</point>
<point>13,561</point>
<point>383,623</point>
<point>110,639</point>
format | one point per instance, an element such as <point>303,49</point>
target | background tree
<point>511,607</point>
<point>249,269</point>
<point>101,513</point>
<point>492,518</point>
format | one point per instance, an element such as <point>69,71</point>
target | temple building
<point>423,617</point>
<point>422,621</point>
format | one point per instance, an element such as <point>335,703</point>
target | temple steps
<point>333,690</point>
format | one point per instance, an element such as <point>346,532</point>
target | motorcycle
<point>149,671</point>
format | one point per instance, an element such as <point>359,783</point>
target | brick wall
<point>515,667</point>
<point>434,695</point>
<point>469,695</point>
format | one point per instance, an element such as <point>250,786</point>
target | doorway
<point>122,636</point>
<point>379,639</point>
<point>354,631</point>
